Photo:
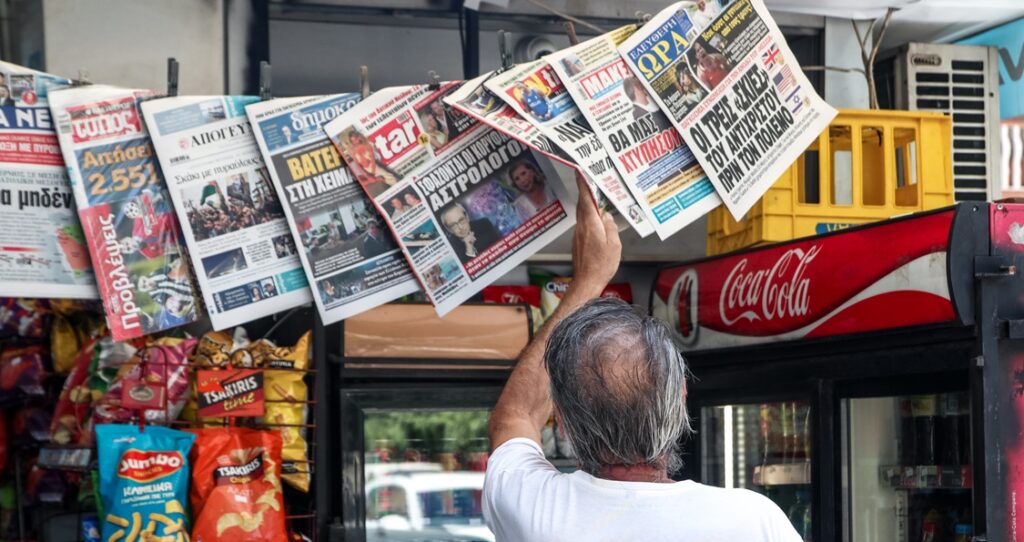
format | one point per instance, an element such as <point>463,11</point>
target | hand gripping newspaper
<point>242,252</point>
<point>127,216</point>
<point>351,261</point>
<point>729,83</point>
<point>650,155</point>
<point>466,203</point>
<point>536,93</point>
<point>42,247</point>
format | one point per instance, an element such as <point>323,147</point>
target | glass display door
<point>907,468</point>
<point>764,447</point>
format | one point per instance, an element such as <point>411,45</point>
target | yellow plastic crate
<point>900,163</point>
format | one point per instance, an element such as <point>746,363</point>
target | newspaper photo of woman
<point>432,129</point>
<point>5,97</point>
<point>711,68</point>
<point>690,92</point>
<point>468,237</point>
<point>534,192</point>
<point>365,164</point>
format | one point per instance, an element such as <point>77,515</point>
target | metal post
<point>471,55</point>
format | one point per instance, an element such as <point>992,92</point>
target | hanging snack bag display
<point>154,380</point>
<point>143,482</point>
<point>285,393</point>
<point>236,485</point>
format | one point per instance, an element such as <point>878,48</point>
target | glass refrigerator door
<point>763,447</point>
<point>906,468</point>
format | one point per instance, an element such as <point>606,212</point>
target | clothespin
<point>435,80</point>
<point>570,30</point>
<point>642,16</point>
<point>264,80</point>
<point>83,78</point>
<point>364,81</point>
<point>503,50</point>
<point>172,77</point>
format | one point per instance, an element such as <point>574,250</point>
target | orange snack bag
<point>236,485</point>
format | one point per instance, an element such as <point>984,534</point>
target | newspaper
<point>42,247</point>
<point>535,92</point>
<point>467,203</point>
<point>655,163</point>
<point>730,84</point>
<point>350,259</point>
<point>127,216</point>
<point>242,252</point>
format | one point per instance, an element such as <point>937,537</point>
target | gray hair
<point>618,381</point>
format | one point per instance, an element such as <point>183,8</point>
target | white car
<point>426,507</point>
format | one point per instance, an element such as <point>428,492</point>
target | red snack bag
<point>162,363</point>
<point>236,485</point>
<point>22,369</point>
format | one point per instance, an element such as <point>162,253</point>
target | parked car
<point>411,506</point>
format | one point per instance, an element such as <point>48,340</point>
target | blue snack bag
<point>143,482</point>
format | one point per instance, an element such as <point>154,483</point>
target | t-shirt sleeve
<point>777,526</point>
<point>517,474</point>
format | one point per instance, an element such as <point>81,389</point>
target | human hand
<point>596,247</point>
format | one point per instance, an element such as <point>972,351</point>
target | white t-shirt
<point>526,499</point>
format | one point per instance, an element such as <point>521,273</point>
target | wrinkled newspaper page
<point>732,87</point>
<point>133,235</point>
<point>650,155</point>
<point>535,92</point>
<point>466,203</point>
<point>42,247</point>
<point>242,251</point>
<point>351,261</point>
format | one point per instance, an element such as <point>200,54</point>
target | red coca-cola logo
<point>781,291</point>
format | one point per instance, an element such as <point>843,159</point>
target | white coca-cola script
<point>767,294</point>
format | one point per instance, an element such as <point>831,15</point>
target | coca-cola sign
<point>888,275</point>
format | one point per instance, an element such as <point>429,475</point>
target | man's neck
<point>634,473</point>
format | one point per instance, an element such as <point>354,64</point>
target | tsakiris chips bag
<point>144,477</point>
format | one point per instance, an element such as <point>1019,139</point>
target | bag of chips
<point>281,388</point>
<point>163,367</point>
<point>24,317</point>
<point>21,370</point>
<point>553,288</point>
<point>215,349</point>
<point>236,486</point>
<point>143,482</point>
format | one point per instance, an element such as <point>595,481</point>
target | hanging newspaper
<point>473,99</point>
<point>466,203</point>
<point>655,163</point>
<point>42,248</point>
<point>535,92</point>
<point>351,261</point>
<point>732,87</point>
<point>242,251</point>
<point>126,213</point>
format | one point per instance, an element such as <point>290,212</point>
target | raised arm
<point>525,403</point>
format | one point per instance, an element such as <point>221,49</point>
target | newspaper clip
<point>172,77</point>
<point>642,17</point>
<point>435,81</point>
<point>264,80</point>
<point>83,78</point>
<point>503,49</point>
<point>364,81</point>
<point>570,30</point>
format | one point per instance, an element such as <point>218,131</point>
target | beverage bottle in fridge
<point>798,510</point>
<point>924,411</point>
<point>948,433</point>
<point>808,516</point>
<point>801,416</point>
<point>907,434</point>
<point>787,431</point>
<point>766,424</point>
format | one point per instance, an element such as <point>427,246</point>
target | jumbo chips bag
<point>143,483</point>
<point>236,485</point>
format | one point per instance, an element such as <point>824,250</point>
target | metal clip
<point>172,77</point>
<point>643,17</point>
<point>265,80</point>
<point>504,50</point>
<point>435,80</point>
<point>83,78</point>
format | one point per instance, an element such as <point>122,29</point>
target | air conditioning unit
<point>961,81</point>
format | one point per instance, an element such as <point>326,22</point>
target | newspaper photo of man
<point>376,241</point>
<point>468,237</point>
<point>535,101</point>
<point>711,68</point>
<point>643,105</point>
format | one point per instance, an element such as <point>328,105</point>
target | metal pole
<point>471,58</point>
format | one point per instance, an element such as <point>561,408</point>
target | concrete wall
<point>127,42</point>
